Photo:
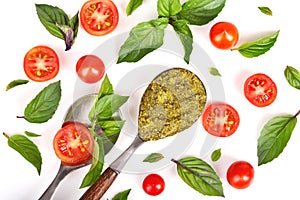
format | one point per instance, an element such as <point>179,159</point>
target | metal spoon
<point>77,112</point>
<point>172,102</point>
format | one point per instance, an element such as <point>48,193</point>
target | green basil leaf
<point>167,8</point>
<point>27,149</point>
<point>74,23</point>
<point>186,37</point>
<point>111,127</point>
<point>122,195</point>
<point>200,176</point>
<point>274,137</point>
<point>97,164</point>
<point>132,6</point>
<point>216,155</point>
<point>200,12</point>
<point>214,71</point>
<point>292,75</point>
<point>44,105</point>
<point>143,39</point>
<point>265,10</point>
<point>258,47</point>
<point>31,134</point>
<point>106,88</point>
<point>153,157</point>
<point>15,83</point>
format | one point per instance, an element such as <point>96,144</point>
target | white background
<point>21,30</point>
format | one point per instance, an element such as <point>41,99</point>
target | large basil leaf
<point>200,176</point>
<point>258,47</point>
<point>292,75</point>
<point>200,12</point>
<point>274,137</point>
<point>122,195</point>
<point>44,105</point>
<point>132,6</point>
<point>186,37</point>
<point>27,149</point>
<point>143,38</point>
<point>166,8</point>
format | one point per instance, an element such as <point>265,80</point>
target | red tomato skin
<point>224,35</point>
<point>153,184</point>
<point>240,174</point>
<point>81,154</point>
<point>257,82</point>
<point>43,57</point>
<point>90,69</point>
<point>85,17</point>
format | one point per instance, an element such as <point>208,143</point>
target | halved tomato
<point>41,63</point>
<point>220,119</point>
<point>260,90</point>
<point>73,144</point>
<point>99,17</point>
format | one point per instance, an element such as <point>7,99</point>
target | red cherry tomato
<point>90,68</point>
<point>73,144</point>
<point>240,174</point>
<point>41,63</point>
<point>220,119</point>
<point>260,90</point>
<point>224,35</point>
<point>99,17</point>
<point>153,184</point>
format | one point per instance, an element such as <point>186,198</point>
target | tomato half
<point>73,144</point>
<point>240,174</point>
<point>224,35</point>
<point>41,63</point>
<point>99,17</point>
<point>90,68</point>
<point>153,184</point>
<point>220,119</point>
<point>260,90</point>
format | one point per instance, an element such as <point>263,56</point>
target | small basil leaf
<point>122,195</point>
<point>265,10</point>
<point>132,6</point>
<point>214,71</point>
<point>106,88</point>
<point>153,157</point>
<point>111,127</point>
<point>216,155</point>
<point>15,83</point>
<point>68,35</point>
<point>274,137</point>
<point>186,37</point>
<point>74,23</point>
<point>97,164</point>
<point>143,39</point>
<point>200,12</point>
<point>27,149</point>
<point>44,105</point>
<point>200,176</point>
<point>167,8</point>
<point>258,47</point>
<point>30,134</point>
<point>292,75</point>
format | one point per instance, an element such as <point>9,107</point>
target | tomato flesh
<point>260,90</point>
<point>73,144</point>
<point>99,17</point>
<point>224,35</point>
<point>153,184</point>
<point>41,63</point>
<point>240,174</point>
<point>90,68</point>
<point>220,119</point>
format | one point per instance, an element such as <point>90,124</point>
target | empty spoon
<point>171,103</point>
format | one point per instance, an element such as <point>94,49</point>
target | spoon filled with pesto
<point>172,102</point>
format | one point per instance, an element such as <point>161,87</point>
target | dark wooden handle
<point>97,190</point>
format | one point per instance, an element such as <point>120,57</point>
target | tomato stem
<point>20,117</point>
<point>297,114</point>
<point>7,136</point>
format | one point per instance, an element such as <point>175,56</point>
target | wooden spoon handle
<point>97,190</point>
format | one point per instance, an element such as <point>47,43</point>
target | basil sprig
<point>292,75</point>
<point>148,36</point>
<point>57,22</point>
<point>274,137</point>
<point>105,127</point>
<point>200,176</point>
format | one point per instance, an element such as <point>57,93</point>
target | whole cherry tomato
<point>153,184</point>
<point>240,174</point>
